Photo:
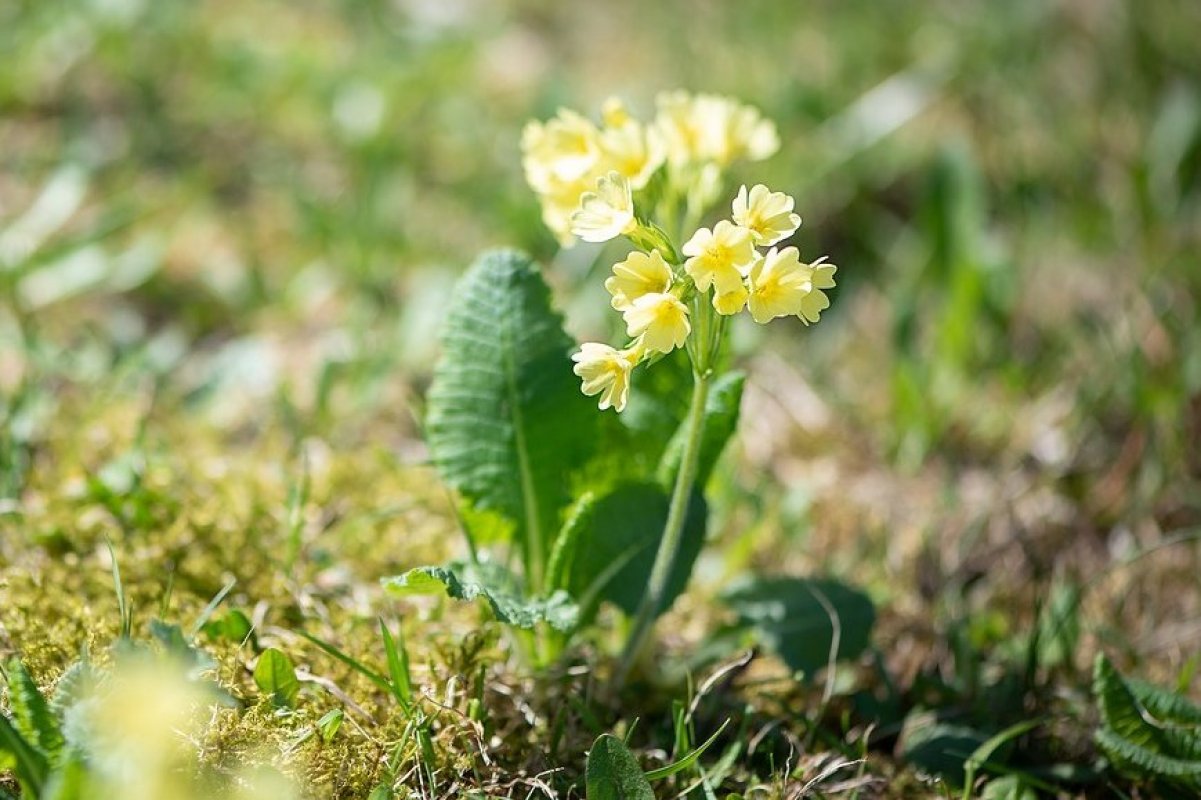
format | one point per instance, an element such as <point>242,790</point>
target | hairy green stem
<point>673,531</point>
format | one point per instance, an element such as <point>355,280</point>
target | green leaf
<point>1147,731</point>
<point>982,756</point>
<point>613,773</point>
<point>493,583</point>
<point>232,626</point>
<point>800,618</point>
<point>1009,787</point>
<point>717,426</point>
<point>29,765</point>
<point>940,748</point>
<point>31,713</point>
<point>275,676</point>
<point>329,724</point>
<point>507,424</point>
<point>615,540</point>
<point>688,760</point>
<point>69,781</point>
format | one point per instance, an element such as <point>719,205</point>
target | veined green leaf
<point>718,425</point>
<point>614,541</point>
<point>507,423</point>
<point>1147,731</point>
<point>31,713</point>
<point>493,583</point>
<point>613,773</point>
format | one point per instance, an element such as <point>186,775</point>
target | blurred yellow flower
<point>707,127</point>
<point>605,371</point>
<point>560,151</point>
<point>628,146</point>
<point>660,320</point>
<point>606,213</point>
<point>639,274</point>
<point>720,257</point>
<point>766,214</point>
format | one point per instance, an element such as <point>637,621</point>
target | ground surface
<point>227,231</point>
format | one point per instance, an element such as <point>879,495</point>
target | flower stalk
<point>673,531</point>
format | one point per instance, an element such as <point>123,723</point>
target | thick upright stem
<point>673,531</point>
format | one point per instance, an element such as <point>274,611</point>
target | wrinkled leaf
<point>507,423</point>
<point>31,713</point>
<point>494,584</point>
<point>1147,731</point>
<point>790,616</point>
<point>613,773</point>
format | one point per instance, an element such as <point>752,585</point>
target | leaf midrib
<point>529,498</point>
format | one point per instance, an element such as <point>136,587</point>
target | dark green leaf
<point>615,541</point>
<point>275,676</point>
<point>493,583</point>
<point>719,423</point>
<point>1147,731</point>
<point>798,618</point>
<point>940,748</point>
<point>507,423</point>
<point>613,773</point>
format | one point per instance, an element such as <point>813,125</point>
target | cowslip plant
<point>604,510</point>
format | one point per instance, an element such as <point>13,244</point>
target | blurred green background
<point>258,208</point>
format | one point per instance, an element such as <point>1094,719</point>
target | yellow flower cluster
<point>589,179</point>
<point>724,259</point>
<point>570,158</point>
<point>772,284</point>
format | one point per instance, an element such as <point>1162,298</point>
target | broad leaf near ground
<point>276,677</point>
<point>800,618</point>
<point>612,772</point>
<point>1147,731</point>
<point>718,425</point>
<point>507,424</point>
<point>613,541</point>
<point>494,584</point>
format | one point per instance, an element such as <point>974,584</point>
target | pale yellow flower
<point>780,285</point>
<point>766,214</point>
<point>816,301</point>
<point>720,257</point>
<point>731,300</point>
<point>639,274</point>
<point>750,135</point>
<point>558,206</point>
<point>605,371</point>
<point>660,319</point>
<point>562,150</point>
<point>632,150</point>
<point>706,127</point>
<point>606,213</point>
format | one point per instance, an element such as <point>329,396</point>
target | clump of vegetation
<point>951,551</point>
